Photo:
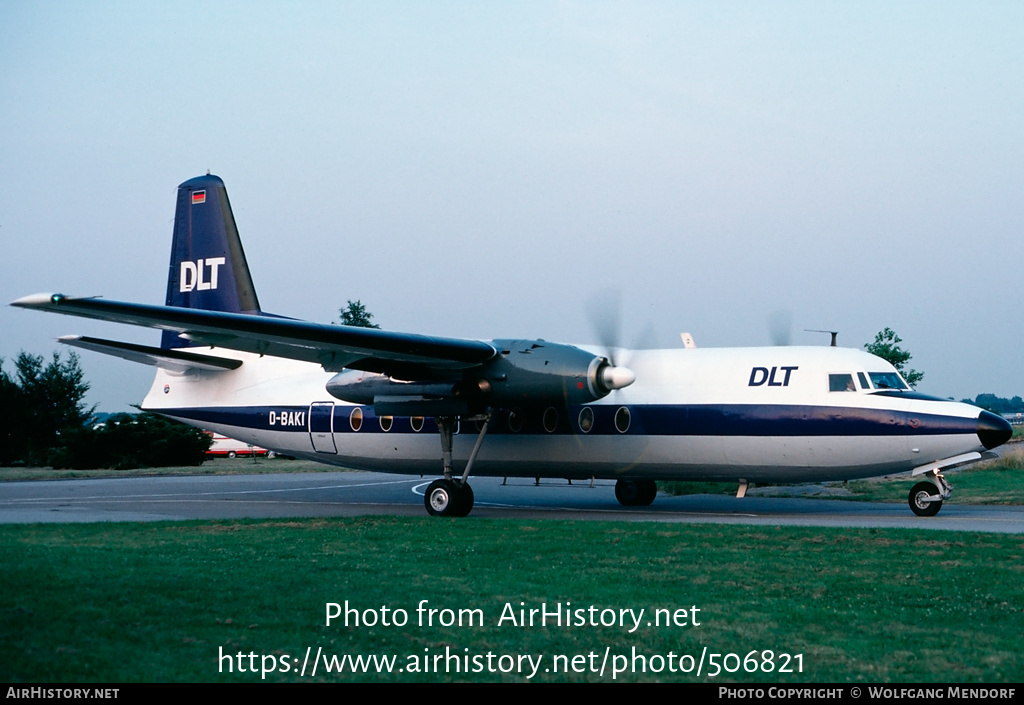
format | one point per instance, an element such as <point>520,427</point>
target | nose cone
<point>993,430</point>
<point>616,377</point>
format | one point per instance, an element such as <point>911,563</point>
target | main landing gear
<point>926,497</point>
<point>450,497</point>
<point>453,497</point>
<point>636,493</point>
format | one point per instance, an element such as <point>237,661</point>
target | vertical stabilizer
<point>208,270</point>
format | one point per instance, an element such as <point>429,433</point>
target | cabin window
<point>550,419</point>
<point>887,380</point>
<point>863,380</point>
<point>841,383</point>
<point>417,423</point>
<point>355,419</point>
<point>622,418</point>
<point>586,419</point>
<point>385,423</point>
<point>515,420</point>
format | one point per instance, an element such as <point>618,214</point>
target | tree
<point>886,346</point>
<point>50,402</point>
<point>355,314</point>
<point>12,436</point>
<point>997,405</point>
<point>44,421</point>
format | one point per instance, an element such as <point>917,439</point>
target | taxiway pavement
<point>322,494</point>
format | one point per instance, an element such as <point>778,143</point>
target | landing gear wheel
<point>466,499</point>
<point>648,492</point>
<point>448,498</point>
<point>439,499</point>
<point>636,493</point>
<point>920,503</point>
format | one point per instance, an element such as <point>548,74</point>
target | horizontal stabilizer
<point>174,360</point>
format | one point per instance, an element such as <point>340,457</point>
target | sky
<point>496,170</point>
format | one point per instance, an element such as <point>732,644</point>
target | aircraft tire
<point>447,498</point>
<point>465,499</point>
<point>919,503</point>
<point>626,492</point>
<point>635,493</point>
<point>439,499</point>
<point>648,491</point>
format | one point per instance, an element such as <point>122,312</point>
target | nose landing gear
<point>926,497</point>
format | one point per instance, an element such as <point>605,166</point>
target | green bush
<point>127,441</point>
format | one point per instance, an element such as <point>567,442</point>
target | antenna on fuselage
<point>833,332</point>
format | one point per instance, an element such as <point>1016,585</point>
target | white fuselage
<point>754,414</point>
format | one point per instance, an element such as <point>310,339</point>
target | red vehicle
<point>224,447</point>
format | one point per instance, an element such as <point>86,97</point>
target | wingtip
<point>38,300</point>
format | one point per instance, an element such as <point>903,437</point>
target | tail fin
<point>208,270</point>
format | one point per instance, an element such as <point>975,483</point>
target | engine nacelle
<point>360,387</point>
<point>535,371</point>
<point>525,372</point>
<point>392,397</point>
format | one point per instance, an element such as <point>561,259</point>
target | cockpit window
<point>863,380</point>
<point>887,380</point>
<point>841,383</point>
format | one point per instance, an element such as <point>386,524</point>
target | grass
<point>158,601</point>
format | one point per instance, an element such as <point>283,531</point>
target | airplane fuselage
<point>753,414</point>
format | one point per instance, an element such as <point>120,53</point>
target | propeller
<point>780,327</point>
<point>604,310</point>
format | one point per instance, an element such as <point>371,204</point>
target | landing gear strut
<point>926,497</point>
<point>453,497</point>
<point>635,493</point>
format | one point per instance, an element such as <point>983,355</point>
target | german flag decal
<point>198,197</point>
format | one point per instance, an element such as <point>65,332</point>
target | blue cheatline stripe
<point>653,420</point>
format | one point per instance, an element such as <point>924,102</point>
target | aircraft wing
<point>335,347</point>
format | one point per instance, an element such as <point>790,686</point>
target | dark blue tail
<point>208,269</point>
